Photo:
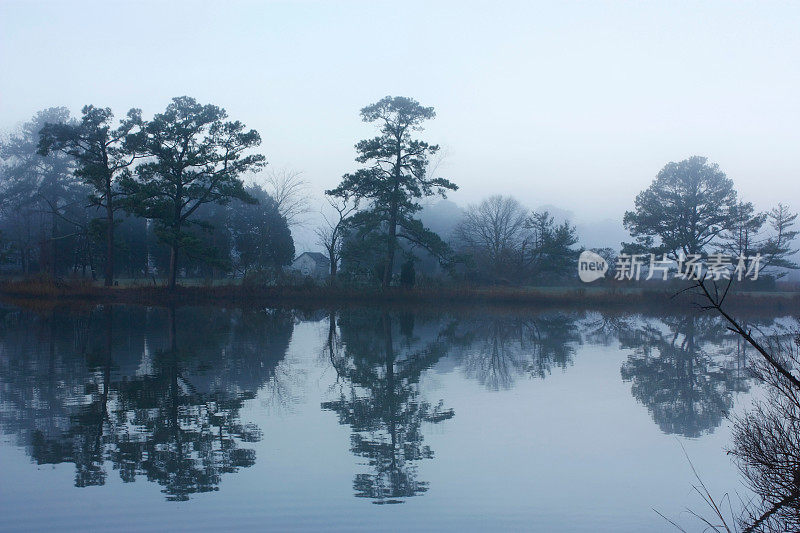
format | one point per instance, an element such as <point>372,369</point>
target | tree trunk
<point>173,250</point>
<point>392,242</point>
<point>333,261</point>
<point>53,246</point>
<point>109,274</point>
<point>389,267</point>
<point>173,265</point>
<point>90,258</point>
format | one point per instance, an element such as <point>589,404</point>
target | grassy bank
<point>319,296</point>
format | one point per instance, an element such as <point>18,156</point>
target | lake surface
<point>133,418</point>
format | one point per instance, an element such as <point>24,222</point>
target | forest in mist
<point>188,193</point>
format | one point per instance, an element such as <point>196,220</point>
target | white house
<point>312,264</point>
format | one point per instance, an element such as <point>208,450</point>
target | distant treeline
<point>98,198</point>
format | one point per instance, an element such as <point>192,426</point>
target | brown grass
<point>43,290</point>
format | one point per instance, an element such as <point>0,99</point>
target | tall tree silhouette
<point>686,209</point>
<point>197,158</point>
<point>396,178</point>
<point>42,200</point>
<point>102,156</point>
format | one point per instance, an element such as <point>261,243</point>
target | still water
<point>134,418</point>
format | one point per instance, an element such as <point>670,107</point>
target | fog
<point>575,105</point>
<point>512,263</point>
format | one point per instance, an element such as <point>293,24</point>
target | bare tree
<point>715,298</point>
<point>767,446</point>
<point>292,194</point>
<point>767,438</point>
<point>331,233</point>
<point>493,230</point>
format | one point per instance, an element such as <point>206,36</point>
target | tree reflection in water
<point>678,371</point>
<point>90,390</point>
<point>157,393</point>
<point>381,365</point>
<point>495,348</point>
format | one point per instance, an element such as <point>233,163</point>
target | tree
<point>744,237</point>
<point>41,199</point>
<point>408,275</point>
<point>685,209</point>
<point>332,233</point>
<point>197,158</point>
<point>102,155</point>
<point>509,243</point>
<point>396,176</point>
<point>130,246</point>
<point>291,193</point>
<point>261,235</point>
<point>741,237</point>
<point>363,252</point>
<point>493,233</point>
<point>766,444</point>
<point>211,243</point>
<point>547,250</point>
<point>777,249</point>
<point>610,257</point>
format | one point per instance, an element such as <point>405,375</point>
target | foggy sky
<point>577,105</point>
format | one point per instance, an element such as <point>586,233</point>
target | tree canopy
<point>43,203</point>
<point>688,205</point>
<point>197,157</point>
<point>396,176</point>
<point>507,242</point>
<point>261,235</point>
<point>102,155</point>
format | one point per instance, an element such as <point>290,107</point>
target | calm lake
<point>133,418</point>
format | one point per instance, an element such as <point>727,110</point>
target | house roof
<point>318,257</point>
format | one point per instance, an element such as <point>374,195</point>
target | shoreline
<point>603,296</point>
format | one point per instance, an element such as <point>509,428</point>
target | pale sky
<point>574,104</point>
